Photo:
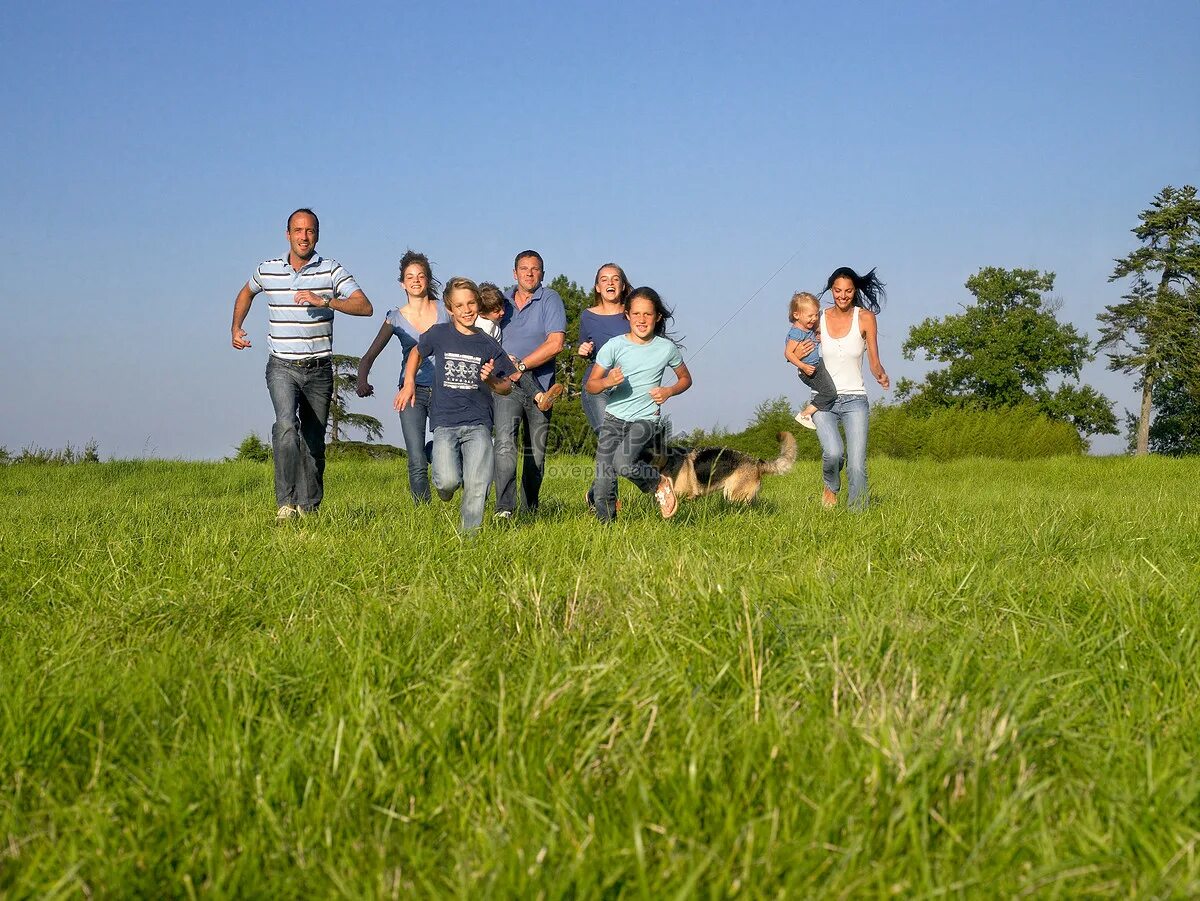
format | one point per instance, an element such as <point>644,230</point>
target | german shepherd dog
<point>695,472</point>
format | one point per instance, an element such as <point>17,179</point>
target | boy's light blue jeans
<point>852,411</point>
<point>462,455</point>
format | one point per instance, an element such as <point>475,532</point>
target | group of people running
<point>478,372</point>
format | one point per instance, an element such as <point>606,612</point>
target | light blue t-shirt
<point>643,366</point>
<point>802,334</point>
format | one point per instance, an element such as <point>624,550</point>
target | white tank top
<point>843,356</point>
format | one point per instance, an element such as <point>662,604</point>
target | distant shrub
<point>1016,433</point>
<point>1019,433</point>
<point>761,437</point>
<point>361,450</point>
<point>32,454</point>
<point>253,450</point>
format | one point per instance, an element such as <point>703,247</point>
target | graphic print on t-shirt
<point>461,371</point>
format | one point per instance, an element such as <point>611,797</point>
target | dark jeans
<point>619,452</point>
<point>821,382</point>
<point>412,424</point>
<point>511,412</point>
<point>300,394</point>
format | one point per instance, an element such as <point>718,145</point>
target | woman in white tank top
<point>848,329</point>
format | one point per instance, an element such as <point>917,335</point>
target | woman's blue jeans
<point>852,412</point>
<point>593,408</point>
<point>412,424</point>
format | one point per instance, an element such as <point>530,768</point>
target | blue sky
<point>152,152</point>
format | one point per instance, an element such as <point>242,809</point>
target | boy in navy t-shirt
<point>465,360</point>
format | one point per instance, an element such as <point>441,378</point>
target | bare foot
<point>828,499</point>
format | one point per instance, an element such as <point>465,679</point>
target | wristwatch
<point>520,365</point>
<point>328,302</point>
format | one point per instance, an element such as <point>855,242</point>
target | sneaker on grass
<point>286,512</point>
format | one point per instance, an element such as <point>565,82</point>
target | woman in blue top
<point>408,323</point>
<point>599,324</point>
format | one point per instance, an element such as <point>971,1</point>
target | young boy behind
<point>805,314</point>
<point>466,360</point>
<point>491,310</point>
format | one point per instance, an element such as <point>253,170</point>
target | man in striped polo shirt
<point>303,290</point>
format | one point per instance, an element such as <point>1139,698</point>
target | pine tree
<point>1150,331</point>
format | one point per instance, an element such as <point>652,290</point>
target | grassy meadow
<point>984,686</point>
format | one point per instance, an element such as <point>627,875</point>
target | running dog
<point>695,472</point>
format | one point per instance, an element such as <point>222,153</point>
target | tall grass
<point>1017,433</point>
<point>982,686</point>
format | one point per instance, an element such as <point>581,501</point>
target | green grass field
<point>984,686</point>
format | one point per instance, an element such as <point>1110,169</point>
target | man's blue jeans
<point>511,411</point>
<point>619,452</point>
<point>462,455</point>
<point>300,394</point>
<point>412,425</point>
<point>852,411</point>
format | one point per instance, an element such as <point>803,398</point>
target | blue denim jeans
<point>594,406</point>
<point>462,455</point>
<point>852,411</point>
<point>300,395</point>
<point>412,425</point>
<point>619,453</point>
<point>511,411</point>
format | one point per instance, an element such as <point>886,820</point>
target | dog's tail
<point>787,456</point>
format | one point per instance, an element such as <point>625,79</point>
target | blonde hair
<point>490,298</point>
<point>459,283</point>
<point>799,300</point>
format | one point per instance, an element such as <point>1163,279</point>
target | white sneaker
<point>286,512</point>
<point>805,421</point>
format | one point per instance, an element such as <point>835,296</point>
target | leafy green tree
<point>345,378</point>
<point>1152,330</point>
<point>1004,350</point>
<point>570,365</point>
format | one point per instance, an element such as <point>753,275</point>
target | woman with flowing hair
<point>848,331</point>
<point>407,324</point>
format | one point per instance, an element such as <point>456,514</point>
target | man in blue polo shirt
<point>533,327</point>
<point>303,290</point>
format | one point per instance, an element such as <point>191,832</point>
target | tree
<point>1003,351</point>
<point>570,364</point>
<point>1145,329</point>
<point>345,377</point>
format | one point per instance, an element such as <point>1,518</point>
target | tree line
<point>1006,349</point>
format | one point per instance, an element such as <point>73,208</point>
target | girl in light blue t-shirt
<point>630,368</point>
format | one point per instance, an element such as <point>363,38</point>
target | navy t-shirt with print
<point>459,397</point>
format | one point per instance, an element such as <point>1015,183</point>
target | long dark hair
<point>661,313</point>
<point>869,291</point>
<point>410,258</point>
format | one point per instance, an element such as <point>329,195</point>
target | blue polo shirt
<point>523,331</point>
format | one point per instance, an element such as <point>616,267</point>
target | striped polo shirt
<point>295,331</point>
